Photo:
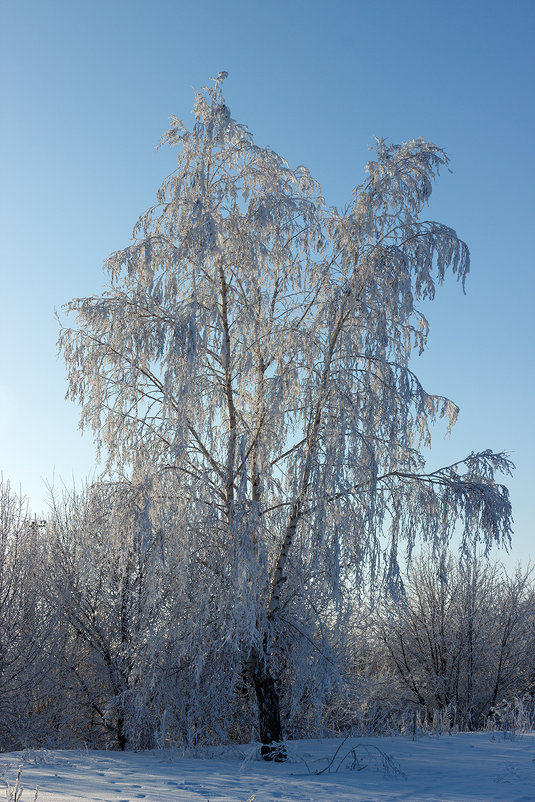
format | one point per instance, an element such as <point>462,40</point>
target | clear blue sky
<point>87,89</point>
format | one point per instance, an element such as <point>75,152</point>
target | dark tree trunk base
<point>269,720</point>
<point>274,752</point>
<point>121,737</point>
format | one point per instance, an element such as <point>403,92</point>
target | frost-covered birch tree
<point>257,344</point>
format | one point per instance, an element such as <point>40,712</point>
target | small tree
<point>256,343</point>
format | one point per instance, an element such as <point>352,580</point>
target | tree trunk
<point>121,736</point>
<point>269,720</point>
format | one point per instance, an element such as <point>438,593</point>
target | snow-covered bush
<point>26,625</point>
<point>460,640</point>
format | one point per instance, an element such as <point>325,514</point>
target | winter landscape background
<point>281,563</point>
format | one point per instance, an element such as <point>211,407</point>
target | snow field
<point>475,767</point>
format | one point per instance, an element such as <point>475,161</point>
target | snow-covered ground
<point>457,768</point>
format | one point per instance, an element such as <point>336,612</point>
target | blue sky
<point>87,89</point>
